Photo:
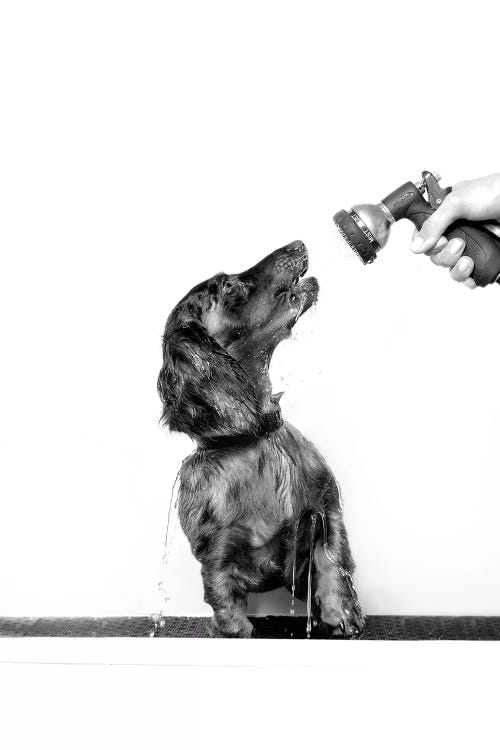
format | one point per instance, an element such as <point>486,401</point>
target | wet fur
<point>252,476</point>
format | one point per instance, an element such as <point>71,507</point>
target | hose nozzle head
<point>365,228</point>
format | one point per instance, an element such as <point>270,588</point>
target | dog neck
<point>257,368</point>
<point>270,422</point>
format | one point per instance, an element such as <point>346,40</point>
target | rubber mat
<point>378,628</point>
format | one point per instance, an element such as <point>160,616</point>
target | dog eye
<point>293,297</point>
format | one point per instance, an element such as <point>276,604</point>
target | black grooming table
<point>378,628</point>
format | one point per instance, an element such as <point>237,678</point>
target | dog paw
<point>239,627</point>
<point>348,623</point>
<point>345,620</point>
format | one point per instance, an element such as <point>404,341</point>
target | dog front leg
<point>335,594</point>
<point>224,593</point>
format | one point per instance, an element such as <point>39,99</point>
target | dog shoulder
<point>302,448</point>
<point>294,437</point>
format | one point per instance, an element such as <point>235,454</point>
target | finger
<point>440,244</point>
<point>463,269</point>
<point>434,251</point>
<point>434,258</point>
<point>450,254</point>
<point>470,283</point>
<point>436,224</point>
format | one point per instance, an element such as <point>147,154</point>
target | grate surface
<point>382,628</point>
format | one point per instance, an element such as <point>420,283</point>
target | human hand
<point>473,200</point>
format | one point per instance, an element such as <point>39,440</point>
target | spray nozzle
<point>366,227</point>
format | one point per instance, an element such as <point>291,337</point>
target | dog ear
<point>204,391</point>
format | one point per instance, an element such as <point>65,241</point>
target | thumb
<point>436,225</point>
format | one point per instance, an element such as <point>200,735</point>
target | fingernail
<point>440,243</point>
<point>464,264</point>
<point>455,246</point>
<point>416,244</point>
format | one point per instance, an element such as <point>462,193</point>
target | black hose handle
<point>481,245</point>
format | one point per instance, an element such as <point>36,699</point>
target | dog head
<point>219,340</point>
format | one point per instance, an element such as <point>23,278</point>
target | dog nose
<point>296,246</point>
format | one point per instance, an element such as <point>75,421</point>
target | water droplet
<point>170,533</point>
<point>294,565</point>
<point>309,573</point>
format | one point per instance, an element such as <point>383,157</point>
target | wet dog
<point>248,492</point>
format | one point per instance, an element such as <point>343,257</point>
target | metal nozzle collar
<point>368,234</point>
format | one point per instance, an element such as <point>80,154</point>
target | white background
<point>146,146</point>
<point>117,693</point>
